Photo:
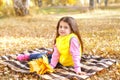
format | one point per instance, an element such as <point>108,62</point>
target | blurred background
<point>24,7</point>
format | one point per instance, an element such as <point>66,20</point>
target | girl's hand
<point>80,73</point>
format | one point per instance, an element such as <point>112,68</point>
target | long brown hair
<point>74,28</point>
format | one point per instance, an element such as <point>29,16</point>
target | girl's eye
<point>60,26</point>
<point>66,27</point>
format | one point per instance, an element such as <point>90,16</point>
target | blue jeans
<point>39,55</point>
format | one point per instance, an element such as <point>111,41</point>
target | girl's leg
<point>49,57</point>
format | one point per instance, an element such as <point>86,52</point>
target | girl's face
<point>64,29</point>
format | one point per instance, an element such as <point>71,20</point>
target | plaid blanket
<point>89,64</point>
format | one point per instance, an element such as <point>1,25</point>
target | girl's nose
<point>62,28</point>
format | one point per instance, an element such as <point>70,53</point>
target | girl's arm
<point>55,58</point>
<point>75,51</point>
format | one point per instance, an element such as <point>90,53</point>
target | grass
<point>99,29</point>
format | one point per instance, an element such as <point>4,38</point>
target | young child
<point>68,45</point>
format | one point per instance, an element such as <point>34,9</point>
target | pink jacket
<point>74,49</point>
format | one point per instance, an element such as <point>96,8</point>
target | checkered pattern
<point>89,64</point>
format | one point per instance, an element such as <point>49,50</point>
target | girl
<point>68,45</point>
